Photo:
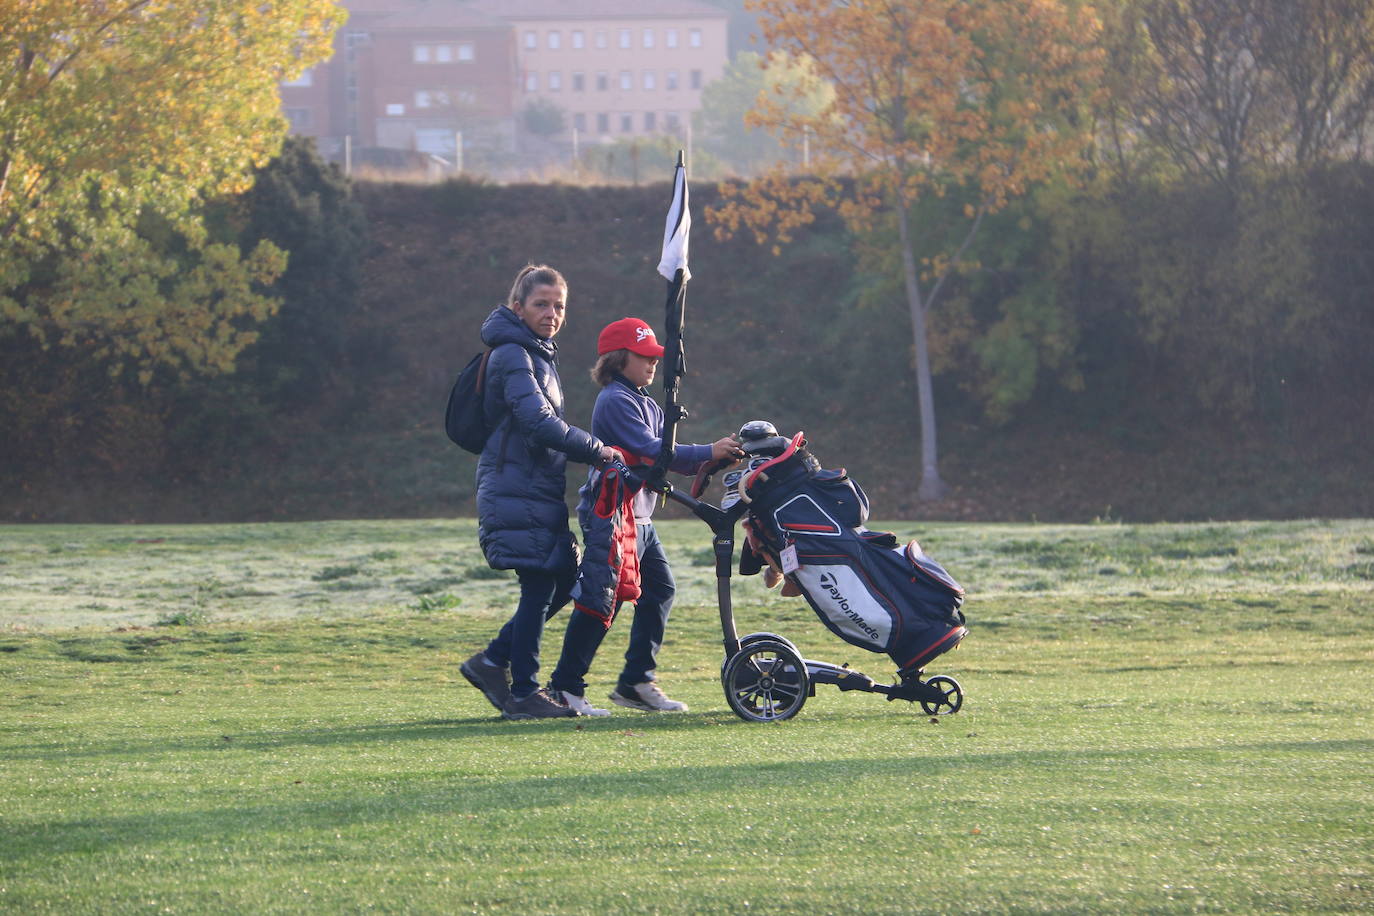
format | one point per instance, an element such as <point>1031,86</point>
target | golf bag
<point>807,523</point>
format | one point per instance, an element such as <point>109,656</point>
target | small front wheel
<point>765,681</point>
<point>952,696</point>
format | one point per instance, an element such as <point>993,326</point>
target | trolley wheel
<point>746,641</point>
<point>765,681</point>
<point>953,696</point>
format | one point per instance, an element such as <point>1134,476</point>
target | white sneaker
<point>580,706</point>
<point>647,696</point>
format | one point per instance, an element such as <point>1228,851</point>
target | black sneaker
<point>494,682</point>
<point>538,705</point>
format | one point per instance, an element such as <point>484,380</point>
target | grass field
<point>269,718</point>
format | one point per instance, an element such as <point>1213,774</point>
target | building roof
<point>420,14</point>
<point>598,9</point>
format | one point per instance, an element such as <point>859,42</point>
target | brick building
<point>423,75</point>
<point>617,67</point>
<point>410,75</point>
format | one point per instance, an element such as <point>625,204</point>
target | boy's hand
<point>726,448</point>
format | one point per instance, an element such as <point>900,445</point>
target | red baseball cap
<point>628,334</point>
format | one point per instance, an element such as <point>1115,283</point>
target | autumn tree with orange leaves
<point>982,98</point>
<point>119,120</point>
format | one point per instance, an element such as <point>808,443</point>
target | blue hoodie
<point>628,418</point>
<point>521,474</point>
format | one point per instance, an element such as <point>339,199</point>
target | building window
<point>696,79</point>
<point>555,40</point>
<point>578,41</point>
<point>627,124</point>
<point>603,81</point>
<point>441,54</point>
<point>670,38</point>
<point>670,120</point>
<point>579,82</point>
<point>670,79</point>
<point>299,117</point>
<point>600,37</point>
<point>603,123</point>
<point>650,122</point>
<point>555,80</point>
<point>579,122</point>
<point>627,80</point>
<point>436,141</point>
<point>531,41</point>
<point>648,38</point>
<point>424,98</point>
<point>625,38</point>
<point>307,78</point>
<point>531,81</point>
<point>649,81</point>
<point>694,38</point>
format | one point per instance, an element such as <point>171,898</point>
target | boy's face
<point>543,310</point>
<point>640,369</point>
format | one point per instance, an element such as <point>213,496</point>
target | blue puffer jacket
<point>522,513</point>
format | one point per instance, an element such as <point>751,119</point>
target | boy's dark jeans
<point>585,632</point>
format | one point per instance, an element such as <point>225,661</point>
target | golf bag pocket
<point>849,606</point>
<point>936,576</point>
<point>831,506</point>
<point>883,598</point>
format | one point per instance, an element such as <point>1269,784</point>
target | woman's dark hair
<point>530,276</point>
<point>608,364</point>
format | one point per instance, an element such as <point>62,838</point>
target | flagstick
<point>675,235</point>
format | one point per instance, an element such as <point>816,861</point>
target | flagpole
<point>673,267</point>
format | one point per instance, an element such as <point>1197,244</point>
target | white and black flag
<point>677,229</point>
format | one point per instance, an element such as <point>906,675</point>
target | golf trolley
<point>764,675</point>
<point>806,524</point>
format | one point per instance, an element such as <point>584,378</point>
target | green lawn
<point>269,718</point>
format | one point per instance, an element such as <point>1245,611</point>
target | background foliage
<point>119,122</point>
<point>1182,335</point>
<point>1069,397</point>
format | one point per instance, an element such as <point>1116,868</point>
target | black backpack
<point>464,420</point>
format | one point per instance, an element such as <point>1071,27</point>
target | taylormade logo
<point>829,584</point>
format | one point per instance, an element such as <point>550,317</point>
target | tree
<point>306,206</point>
<point>119,119</point>
<point>1223,87</point>
<point>543,118</point>
<point>721,126</point>
<point>1322,54</point>
<point>978,97</point>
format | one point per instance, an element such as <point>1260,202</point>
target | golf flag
<point>677,228</point>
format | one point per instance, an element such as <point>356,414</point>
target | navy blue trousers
<point>585,632</point>
<point>542,595</point>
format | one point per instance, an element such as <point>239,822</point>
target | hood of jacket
<point>503,326</point>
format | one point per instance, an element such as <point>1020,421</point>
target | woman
<point>522,516</point>
<point>625,416</point>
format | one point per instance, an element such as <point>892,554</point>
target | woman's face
<point>543,310</point>
<point>640,369</point>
